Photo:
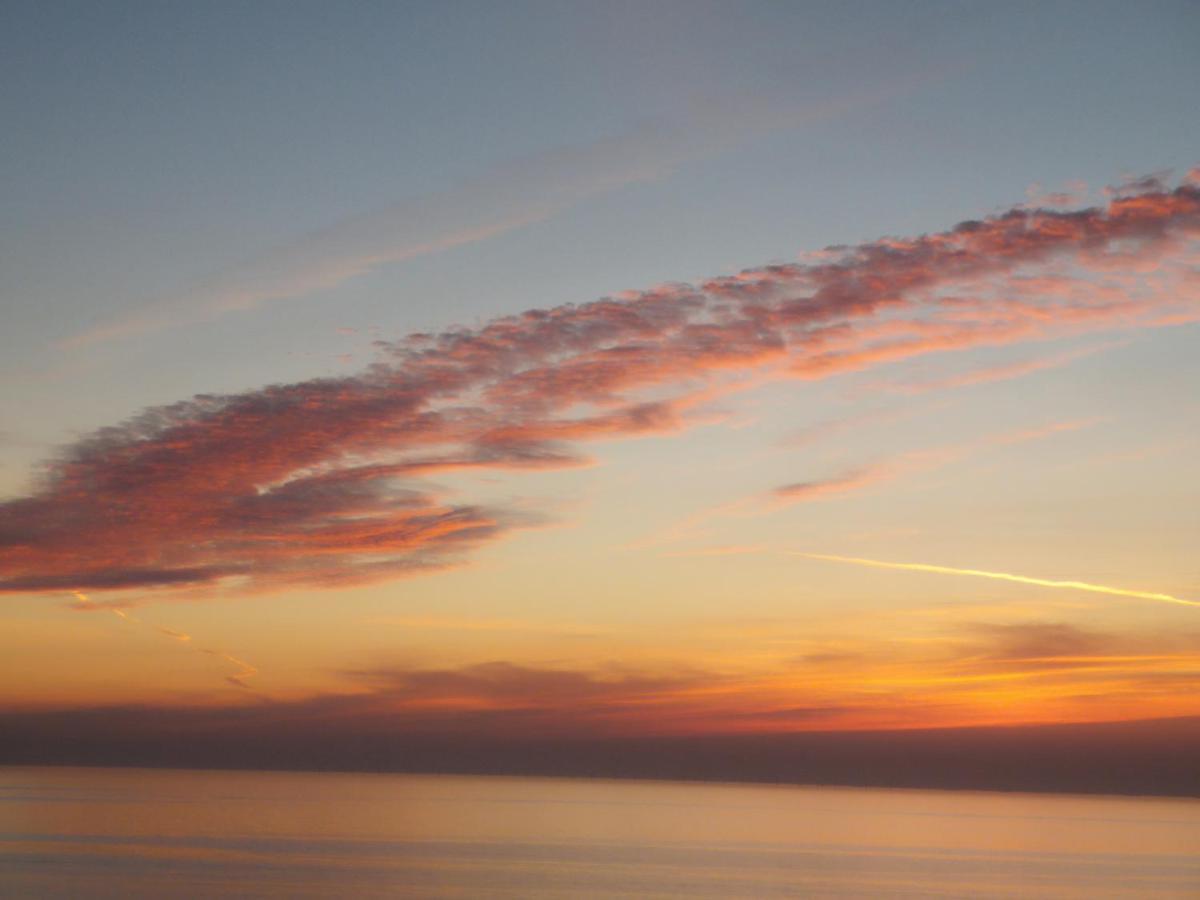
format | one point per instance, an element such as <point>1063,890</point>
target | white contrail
<point>1001,576</point>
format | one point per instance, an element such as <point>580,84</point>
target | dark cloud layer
<point>504,718</point>
<point>1155,757</point>
<point>321,482</point>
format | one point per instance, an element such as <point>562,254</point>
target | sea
<point>132,833</point>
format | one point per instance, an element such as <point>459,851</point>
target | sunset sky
<point>588,370</point>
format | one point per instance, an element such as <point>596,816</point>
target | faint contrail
<point>1001,576</point>
<point>115,610</point>
<point>245,669</point>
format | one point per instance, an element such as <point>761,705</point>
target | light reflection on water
<point>146,833</point>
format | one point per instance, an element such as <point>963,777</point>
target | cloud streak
<point>859,479</point>
<point>323,482</point>
<point>804,491</point>
<point>912,463</point>
<point>503,199</point>
<point>988,374</point>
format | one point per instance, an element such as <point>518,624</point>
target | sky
<point>597,371</point>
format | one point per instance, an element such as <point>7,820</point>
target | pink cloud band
<point>319,482</point>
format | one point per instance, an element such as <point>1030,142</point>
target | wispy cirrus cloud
<point>833,428</point>
<point>914,462</point>
<point>322,482</point>
<point>505,198</point>
<point>988,374</point>
<point>855,480</point>
<point>852,481</point>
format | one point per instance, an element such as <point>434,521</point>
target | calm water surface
<point>141,833</point>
